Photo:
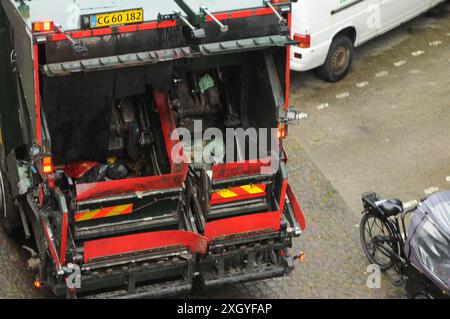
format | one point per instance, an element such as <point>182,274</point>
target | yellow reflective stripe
<point>226,193</point>
<point>88,215</point>
<point>101,213</point>
<point>119,210</point>
<point>252,189</point>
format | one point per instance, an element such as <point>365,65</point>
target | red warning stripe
<point>241,14</point>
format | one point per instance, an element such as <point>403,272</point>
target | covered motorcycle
<point>428,249</point>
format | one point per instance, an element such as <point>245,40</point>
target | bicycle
<point>383,231</point>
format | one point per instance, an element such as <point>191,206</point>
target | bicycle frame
<point>397,226</point>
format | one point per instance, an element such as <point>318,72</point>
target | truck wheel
<point>339,60</point>
<point>9,215</point>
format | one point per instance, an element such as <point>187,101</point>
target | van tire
<point>339,60</point>
<point>9,221</point>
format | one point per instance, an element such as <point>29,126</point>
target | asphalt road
<point>383,128</point>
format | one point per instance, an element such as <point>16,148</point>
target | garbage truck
<point>109,166</point>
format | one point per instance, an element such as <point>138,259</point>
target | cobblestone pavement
<point>335,266</point>
<point>15,280</point>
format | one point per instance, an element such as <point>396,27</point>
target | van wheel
<point>9,214</point>
<point>339,60</point>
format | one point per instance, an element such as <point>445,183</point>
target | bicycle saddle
<point>391,207</point>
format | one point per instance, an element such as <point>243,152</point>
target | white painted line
<point>447,179</point>
<point>431,190</point>
<point>381,74</point>
<point>362,84</point>
<point>303,116</point>
<point>418,53</point>
<point>435,43</point>
<point>410,204</point>
<point>343,95</point>
<point>399,63</point>
<point>323,106</point>
<point>414,71</point>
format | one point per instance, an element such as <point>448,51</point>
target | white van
<point>328,30</point>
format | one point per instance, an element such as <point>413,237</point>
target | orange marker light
<point>47,167</point>
<point>305,40</point>
<point>302,257</point>
<point>43,26</point>
<point>37,284</point>
<point>282,130</point>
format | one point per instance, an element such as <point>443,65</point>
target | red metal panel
<point>250,223</point>
<point>37,95</point>
<point>241,14</point>
<point>301,220</point>
<point>65,224</point>
<point>140,242</point>
<point>101,32</point>
<point>230,170</point>
<point>78,170</point>
<point>128,186</point>
<point>51,245</point>
<point>151,26</point>
<point>268,222</point>
<point>283,195</point>
<point>167,24</point>
<point>128,28</point>
<point>168,127</point>
<point>219,16</point>
<point>263,12</point>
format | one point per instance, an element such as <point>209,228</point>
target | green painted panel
<point>11,134</point>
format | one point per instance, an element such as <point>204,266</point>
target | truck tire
<point>339,60</point>
<point>9,213</point>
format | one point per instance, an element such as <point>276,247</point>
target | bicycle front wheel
<point>378,241</point>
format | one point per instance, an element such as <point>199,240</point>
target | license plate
<point>117,18</point>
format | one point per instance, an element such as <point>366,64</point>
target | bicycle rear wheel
<point>378,241</point>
